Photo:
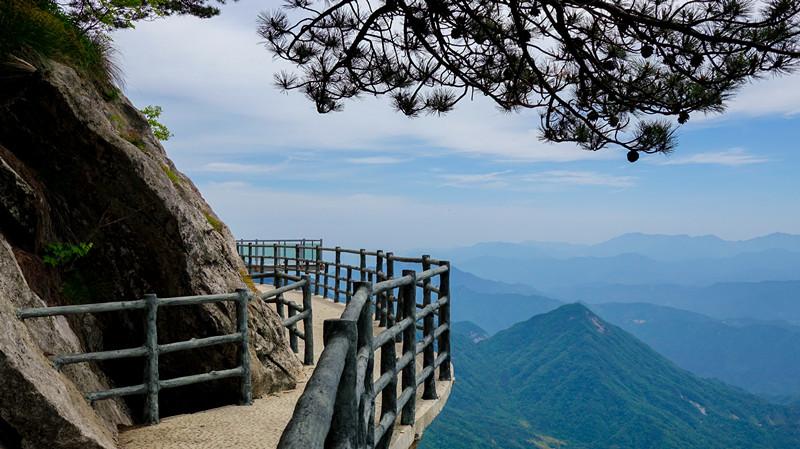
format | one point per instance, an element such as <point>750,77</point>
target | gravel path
<point>260,425</point>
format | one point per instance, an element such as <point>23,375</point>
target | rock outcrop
<point>81,166</point>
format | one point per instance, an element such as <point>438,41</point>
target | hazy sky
<point>272,167</point>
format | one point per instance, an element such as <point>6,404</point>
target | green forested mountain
<point>567,379</point>
<point>761,357</point>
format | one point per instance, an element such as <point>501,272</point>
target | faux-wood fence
<point>151,349</point>
<point>338,407</point>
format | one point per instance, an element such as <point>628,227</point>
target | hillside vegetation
<point>569,379</point>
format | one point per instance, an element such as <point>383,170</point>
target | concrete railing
<point>151,349</point>
<point>338,406</point>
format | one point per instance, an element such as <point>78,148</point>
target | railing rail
<point>338,407</point>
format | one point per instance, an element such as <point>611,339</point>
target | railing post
<point>428,355</point>
<point>308,322</point>
<point>278,299</point>
<point>292,330</point>
<point>445,372</point>
<point>261,281</point>
<point>348,283</point>
<point>400,309</point>
<point>244,350</point>
<point>387,320</point>
<point>337,274</point>
<point>344,428</point>
<point>249,257</point>
<point>317,276</point>
<point>275,260</point>
<point>362,264</point>
<point>379,276</point>
<point>366,410</point>
<point>409,304</point>
<point>297,259</point>
<point>389,394</point>
<point>151,343</point>
<point>327,281</point>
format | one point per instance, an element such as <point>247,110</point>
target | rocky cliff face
<point>81,166</point>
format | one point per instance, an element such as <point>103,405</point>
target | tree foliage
<point>152,113</point>
<point>600,72</point>
<point>99,16</point>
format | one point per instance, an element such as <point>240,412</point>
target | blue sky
<point>272,167</point>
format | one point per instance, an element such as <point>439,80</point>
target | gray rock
<point>43,406</point>
<point>99,175</point>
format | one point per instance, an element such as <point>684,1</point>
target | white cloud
<point>536,180</point>
<point>230,167</point>
<point>214,78</point>
<point>580,178</point>
<point>491,180</point>
<point>774,95</point>
<point>732,158</point>
<point>376,160</point>
<point>215,83</point>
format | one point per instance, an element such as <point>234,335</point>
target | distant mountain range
<point>568,379</point>
<point>762,357</point>
<point>634,259</point>
<point>548,274</point>
<point>766,301</point>
<point>653,246</point>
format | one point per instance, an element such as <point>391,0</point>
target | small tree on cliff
<point>601,72</point>
<point>98,16</point>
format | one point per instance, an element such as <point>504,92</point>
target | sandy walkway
<point>260,425</point>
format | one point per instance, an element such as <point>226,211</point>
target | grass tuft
<point>248,281</point>
<point>214,222</point>
<point>176,180</point>
<point>32,28</point>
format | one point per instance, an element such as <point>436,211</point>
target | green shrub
<point>64,254</point>
<point>152,113</point>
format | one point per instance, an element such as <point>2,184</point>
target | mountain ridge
<point>662,247</point>
<point>571,377</point>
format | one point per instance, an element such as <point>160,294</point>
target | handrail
<point>335,275</point>
<point>151,349</point>
<point>338,407</point>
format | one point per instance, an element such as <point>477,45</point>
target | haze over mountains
<point>744,333</point>
<point>569,379</point>
<point>536,370</point>
<point>654,246</point>
<point>634,259</point>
